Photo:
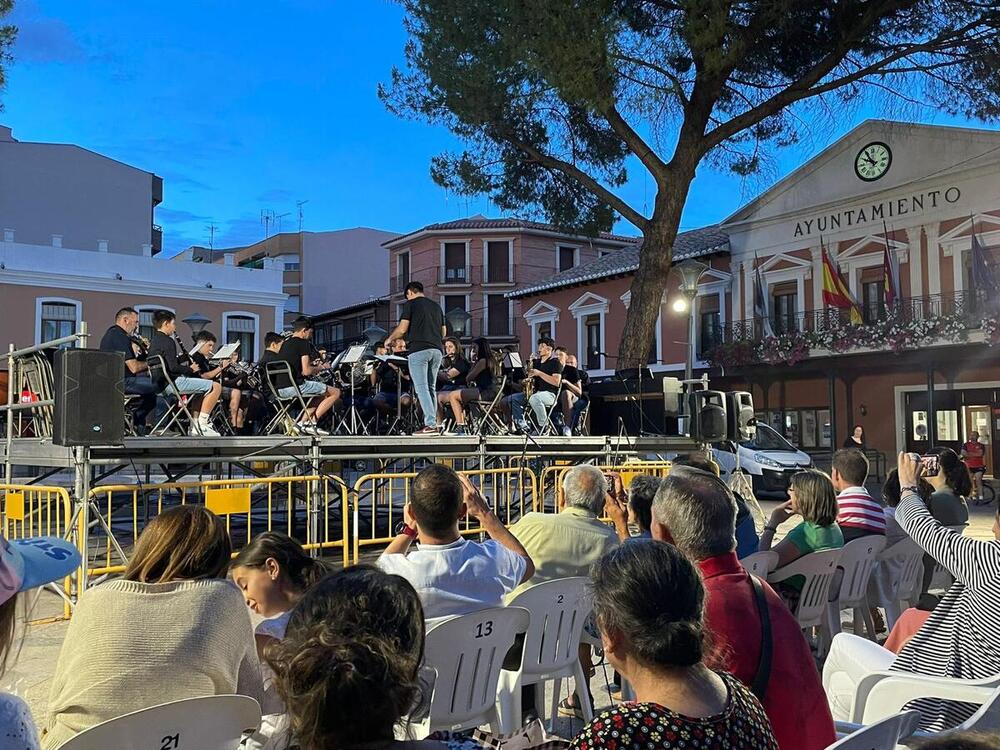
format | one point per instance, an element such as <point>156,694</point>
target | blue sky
<point>244,106</point>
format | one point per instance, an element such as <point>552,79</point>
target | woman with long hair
<point>451,377</point>
<point>811,496</point>
<point>170,628</point>
<point>481,384</point>
<point>349,664</point>
<point>952,485</point>
<point>649,605</point>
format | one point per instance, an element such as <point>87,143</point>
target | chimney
<point>147,249</point>
<point>57,240</point>
<point>229,259</point>
<point>8,235</point>
<point>102,246</point>
<point>7,135</point>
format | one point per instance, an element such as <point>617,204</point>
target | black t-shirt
<point>203,363</point>
<point>163,345</point>
<point>484,379</point>
<point>451,384</point>
<point>116,340</point>
<point>576,376</point>
<point>267,356</point>
<point>551,366</point>
<point>387,378</point>
<point>426,321</point>
<point>292,352</point>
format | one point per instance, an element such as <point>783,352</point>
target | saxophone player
<point>542,380</point>
<point>122,337</point>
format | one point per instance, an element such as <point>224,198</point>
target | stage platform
<point>240,450</point>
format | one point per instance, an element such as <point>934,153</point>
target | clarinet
<point>183,358</point>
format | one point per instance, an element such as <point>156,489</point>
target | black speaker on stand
<point>89,404</point>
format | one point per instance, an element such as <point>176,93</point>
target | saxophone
<point>528,384</point>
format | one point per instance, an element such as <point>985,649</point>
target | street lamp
<point>197,323</point>
<point>458,319</point>
<point>691,272</point>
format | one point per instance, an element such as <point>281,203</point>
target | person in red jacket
<point>695,511</point>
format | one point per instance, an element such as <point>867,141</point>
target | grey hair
<point>584,487</point>
<point>699,510</point>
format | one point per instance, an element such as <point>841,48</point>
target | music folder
<point>227,351</point>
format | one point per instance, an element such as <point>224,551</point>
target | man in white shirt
<point>452,575</point>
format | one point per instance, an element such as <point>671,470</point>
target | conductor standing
<point>421,322</point>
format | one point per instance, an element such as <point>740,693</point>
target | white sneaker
<point>194,430</point>
<point>566,431</point>
<point>208,431</point>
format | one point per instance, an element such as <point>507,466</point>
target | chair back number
<point>171,742</point>
<point>483,630</point>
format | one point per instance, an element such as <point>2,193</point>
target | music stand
<point>636,373</point>
<point>402,363</point>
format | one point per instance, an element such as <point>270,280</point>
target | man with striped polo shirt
<point>859,514</point>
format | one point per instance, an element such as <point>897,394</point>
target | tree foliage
<point>7,35</point>
<point>552,97</point>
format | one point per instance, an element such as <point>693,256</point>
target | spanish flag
<point>836,293</point>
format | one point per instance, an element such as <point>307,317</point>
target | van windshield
<point>767,439</point>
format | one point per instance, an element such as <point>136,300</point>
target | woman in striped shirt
<point>959,638</point>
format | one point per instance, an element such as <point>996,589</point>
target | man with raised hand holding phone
<point>451,574</point>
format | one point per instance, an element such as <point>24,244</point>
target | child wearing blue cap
<point>25,564</point>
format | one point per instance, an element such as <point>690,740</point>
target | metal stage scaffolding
<point>319,489</point>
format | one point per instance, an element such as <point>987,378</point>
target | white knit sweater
<point>134,645</point>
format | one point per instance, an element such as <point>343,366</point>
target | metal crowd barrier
<point>301,506</point>
<point>378,502</point>
<point>37,510</point>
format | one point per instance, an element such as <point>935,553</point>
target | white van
<point>768,459</point>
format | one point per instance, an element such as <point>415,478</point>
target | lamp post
<point>458,319</point>
<point>197,323</point>
<point>691,272</point>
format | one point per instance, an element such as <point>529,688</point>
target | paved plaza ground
<point>31,670</point>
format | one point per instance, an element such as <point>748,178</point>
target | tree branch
<point>634,141</point>
<point>571,170</point>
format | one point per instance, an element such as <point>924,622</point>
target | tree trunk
<point>651,279</point>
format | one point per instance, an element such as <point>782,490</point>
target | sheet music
<point>227,351</point>
<point>196,348</point>
<point>515,360</point>
<point>354,354</point>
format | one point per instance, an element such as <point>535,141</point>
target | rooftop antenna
<point>299,205</point>
<point>279,217</point>
<point>211,241</point>
<point>267,219</point>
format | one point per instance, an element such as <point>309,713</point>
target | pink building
<point>472,264</point>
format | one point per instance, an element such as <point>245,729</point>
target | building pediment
<point>927,154</point>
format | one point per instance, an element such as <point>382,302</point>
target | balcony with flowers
<point>911,323</point>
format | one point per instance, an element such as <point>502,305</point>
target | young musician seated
<point>272,345</point>
<point>451,377</point>
<point>216,370</point>
<point>391,383</point>
<point>121,337</point>
<point>545,374</point>
<point>481,385</point>
<point>575,395</point>
<point>297,351</point>
<point>187,379</point>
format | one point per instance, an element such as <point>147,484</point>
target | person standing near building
<point>422,323</point>
<point>974,455</point>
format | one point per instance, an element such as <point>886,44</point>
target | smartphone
<point>609,481</point>
<point>930,463</point>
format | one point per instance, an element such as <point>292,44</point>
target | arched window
<point>242,327</point>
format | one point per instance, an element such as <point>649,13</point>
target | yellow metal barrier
<point>510,492</point>
<point>252,505</point>
<point>550,481</point>
<point>36,510</point>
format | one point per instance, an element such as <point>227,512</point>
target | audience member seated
<point>957,640</point>
<point>567,543</point>
<point>696,512</point>
<point>273,572</point>
<point>454,576</point>
<point>812,497</point>
<point>962,741</point>
<point>952,484</point>
<point>858,513</point>
<point>171,628</point>
<point>25,564</point>
<point>482,382</point>
<point>747,540</point>
<point>641,491</point>
<point>888,571</point>
<point>121,337</point>
<point>203,394</point>
<point>348,668</point>
<point>649,602</point>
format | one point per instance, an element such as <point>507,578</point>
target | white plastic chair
<point>857,560</point>
<point>551,646</point>
<point>214,722</point>
<point>818,569</point>
<point>906,585</point>
<point>466,654</point>
<point>760,564</point>
<point>884,734</point>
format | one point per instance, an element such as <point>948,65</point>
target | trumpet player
<point>541,383</point>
